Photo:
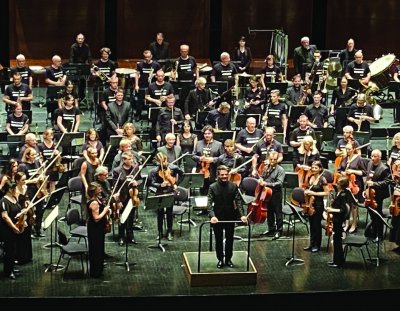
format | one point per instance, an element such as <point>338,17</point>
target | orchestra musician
<point>92,140</point>
<point>263,148</point>
<point>248,137</point>
<point>342,96</point>
<point>340,210</point>
<point>165,179</point>
<point>172,151</point>
<point>124,174</point>
<point>184,68</point>
<point>69,116</point>
<point>104,67</point>
<point>298,135</point>
<point>225,71</point>
<point>308,153</point>
<point>33,170</point>
<point>361,114</point>
<point>276,114</point>
<point>8,173</point>
<point>242,55</point>
<point>130,134</point>
<point>303,57</point>
<point>394,154</point>
<point>117,114</point>
<point>69,89</point>
<point>219,118</point>
<point>23,70</point>
<point>198,99</point>
<point>169,119</point>
<point>347,138</point>
<point>271,72</point>
<point>358,69</point>
<point>394,235</point>
<point>352,167</point>
<point>9,207</point>
<point>379,180</point>
<point>186,139</point>
<point>223,205</point>
<point>296,94</point>
<point>30,142</point>
<point>107,97</point>
<point>17,92</point>
<point>232,160</point>
<point>17,122</point>
<point>159,48</point>
<point>205,154</point>
<point>144,69</point>
<point>273,177</point>
<point>126,145</point>
<point>316,191</point>
<point>255,97</point>
<point>317,113</point>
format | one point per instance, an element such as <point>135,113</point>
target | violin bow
<point>176,160</point>
<point>106,154</point>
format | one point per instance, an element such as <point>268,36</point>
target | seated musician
<point>263,148</point>
<point>352,167</point>
<point>273,177</point>
<point>165,179</point>
<point>17,123</point>
<point>308,153</point>
<point>317,189</point>
<point>124,177</point>
<point>347,138</point>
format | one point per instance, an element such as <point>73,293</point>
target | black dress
<point>96,238</point>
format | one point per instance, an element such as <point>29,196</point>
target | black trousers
<point>219,229</point>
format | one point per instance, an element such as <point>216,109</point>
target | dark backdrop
<point>42,28</point>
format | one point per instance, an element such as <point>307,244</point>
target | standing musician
<point>271,72</point>
<point>242,55</point>
<point>276,114</point>
<point>254,98</point>
<point>92,140</point>
<point>342,96</point>
<point>35,178</point>
<point>123,177</point>
<point>248,137</point>
<point>232,160</point>
<point>97,217</point>
<point>273,177</point>
<point>169,119</point>
<point>316,76</point>
<point>316,191</point>
<point>8,173</point>
<point>361,114</point>
<point>198,99</point>
<point>160,48</point>
<point>165,179</point>
<point>223,204</point>
<point>69,116</point>
<point>145,72</point>
<point>308,153</point>
<point>184,68</point>
<point>395,209</point>
<point>340,210</point>
<point>69,89</point>
<point>377,189</point>
<point>30,142</point>
<point>358,69</point>
<point>317,113</point>
<point>394,153</point>
<point>107,97</point>
<point>9,207</point>
<point>171,150</point>
<point>47,151</point>
<point>303,57</point>
<point>263,148</point>
<point>17,92</point>
<point>55,76</point>
<point>117,114</point>
<point>352,167</point>
<point>205,154</point>
<point>347,138</point>
<point>298,135</point>
<point>23,70</point>
<point>225,71</point>
<point>219,118</point>
<point>297,94</point>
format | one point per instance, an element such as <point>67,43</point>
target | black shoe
<point>121,242</point>
<point>308,248</point>
<point>137,227</point>
<point>201,213</point>
<point>334,266</point>
<point>330,263</point>
<point>131,240</point>
<point>315,250</point>
<point>229,263</point>
<point>269,232</point>
<point>220,264</point>
<point>276,236</point>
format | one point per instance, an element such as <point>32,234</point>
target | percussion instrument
<point>243,79</point>
<point>124,74</point>
<point>37,69</point>
<point>205,69</point>
<point>382,70</point>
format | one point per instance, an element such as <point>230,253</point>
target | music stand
<point>293,260</point>
<point>115,140</point>
<point>281,86</point>
<point>223,135</point>
<point>123,219</point>
<point>48,223</point>
<point>295,112</point>
<point>155,203</point>
<point>189,181</point>
<point>65,176</point>
<point>54,200</point>
<point>54,91</point>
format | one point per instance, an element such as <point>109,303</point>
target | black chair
<point>297,199</point>
<point>181,205</point>
<point>75,188</point>
<point>247,189</point>
<point>291,181</point>
<point>74,221</point>
<point>359,241</point>
<point>72,249</point>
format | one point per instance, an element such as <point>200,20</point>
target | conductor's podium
<point>242,273</point>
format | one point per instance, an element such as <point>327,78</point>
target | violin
<point>370,198</point>
<point>257,209</point>
<point>354,188</point>
<point>134,194</point>
<point>394,208</point>
<point>308,206</point>
<point>303,176</point>
<point>165,174</point>
<point>329,225</point>
<point>205,169</point>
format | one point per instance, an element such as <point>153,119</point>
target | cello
<point>257,209</point>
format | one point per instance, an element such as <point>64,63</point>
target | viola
<point>257,210</point>
<point>205,169</point>
<point>329,225</point>
<point>308,206</point>
<point>337,175</point>
<point>134,194</point>
<point>370,198</point>
<point>165,174</point>
<point>235,178</point>
<point>354,188</point>
<point>394,208</point>
<point>303,176</point>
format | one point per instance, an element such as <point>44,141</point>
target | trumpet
<point>99,73</point>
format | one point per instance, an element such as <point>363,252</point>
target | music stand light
<point>293,260</point>
<point>155,203</point>
<point>123,219</point>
